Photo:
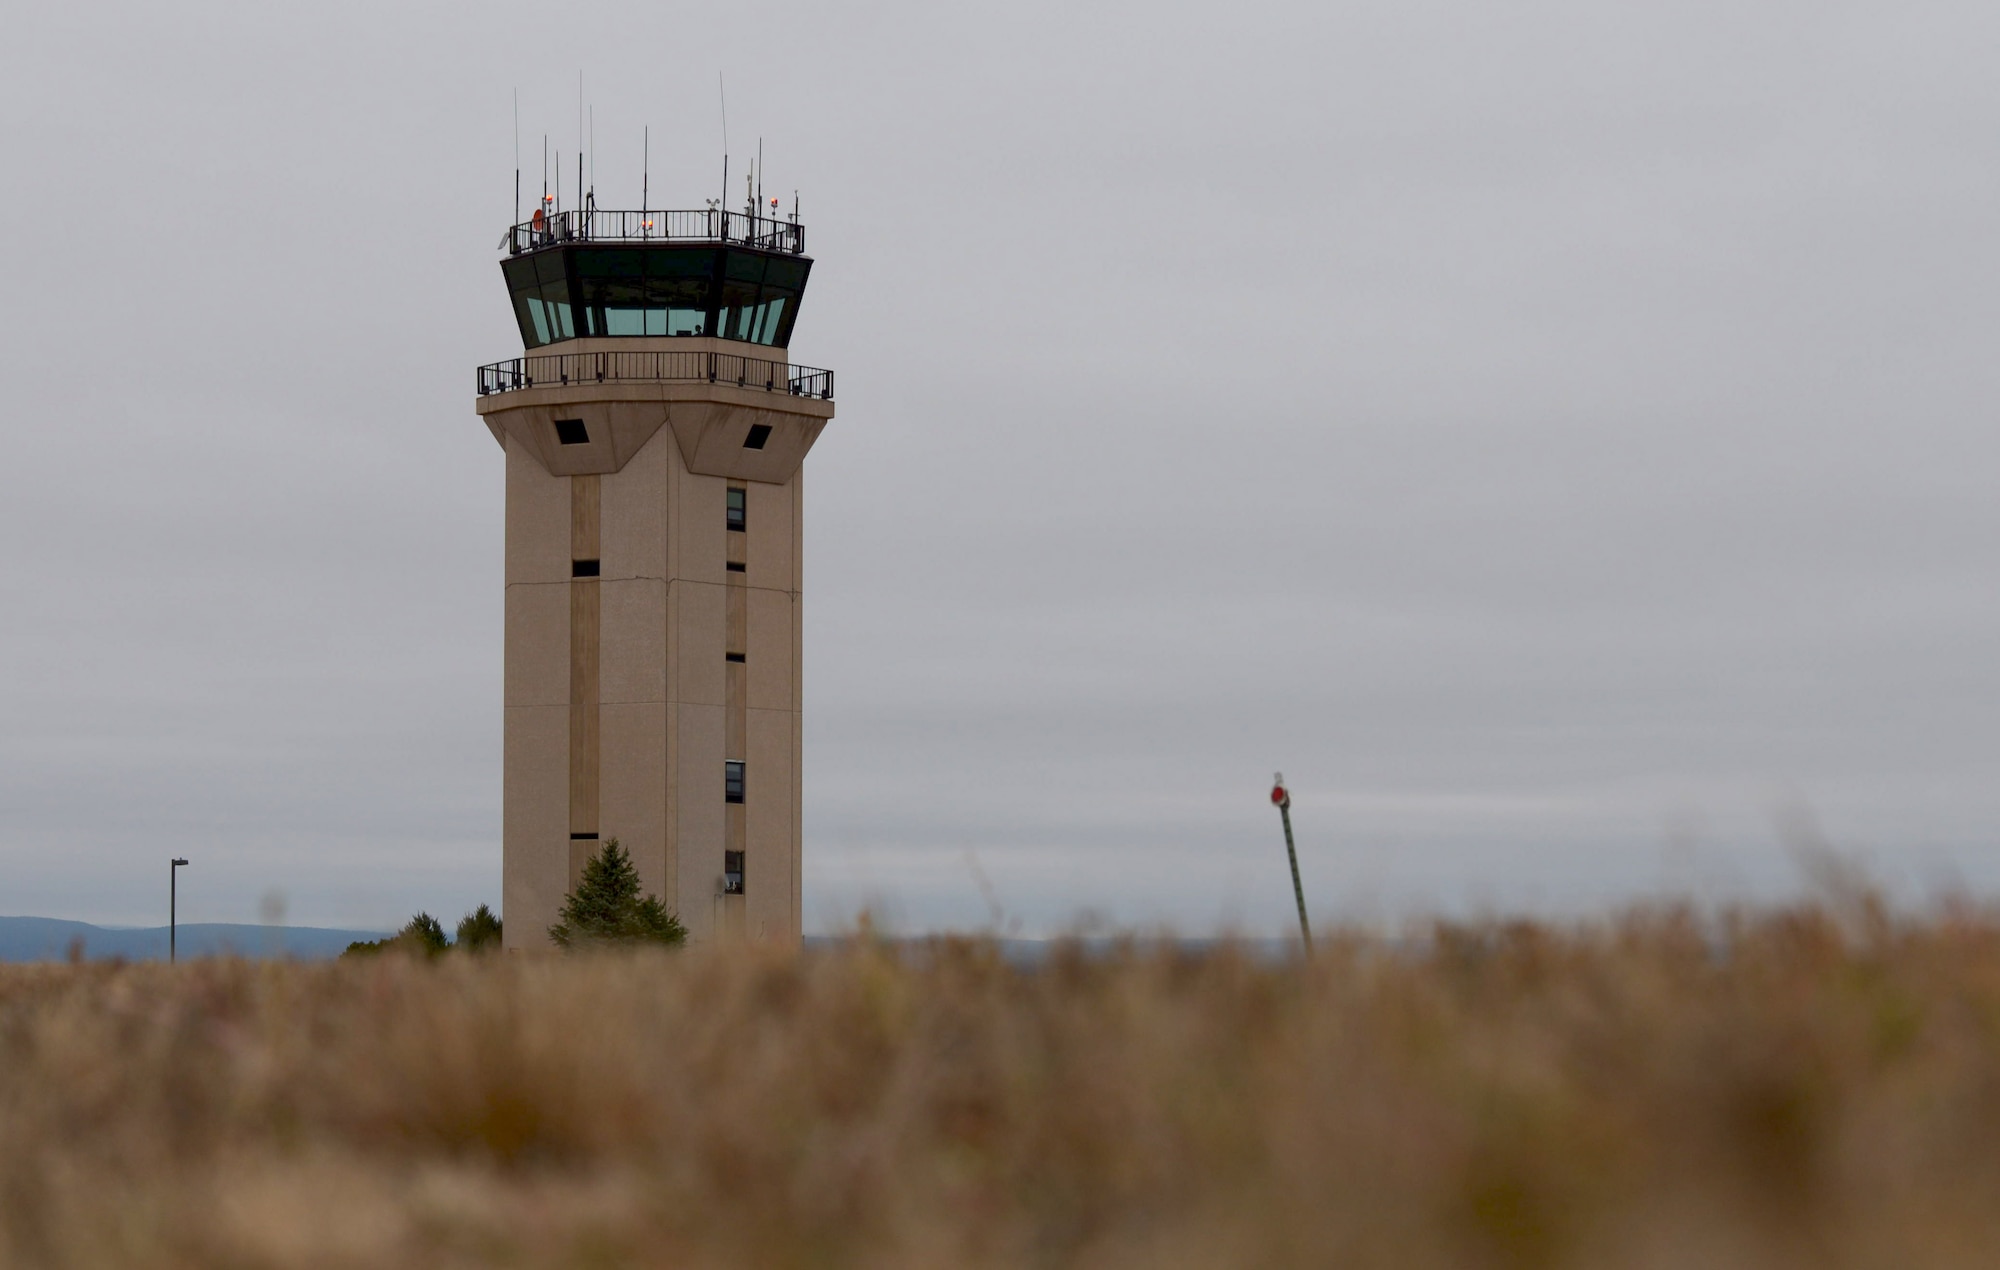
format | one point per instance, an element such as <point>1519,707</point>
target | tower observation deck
<point>655,432</point>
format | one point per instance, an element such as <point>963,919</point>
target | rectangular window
<point>572,432</point>
<point>583,568</point>
<point>737,657</point>
<point>732,873</point>
<point>732,781</point>
<point>736,509</point>
<point>555,295</point>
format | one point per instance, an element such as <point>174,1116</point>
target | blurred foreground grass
<point>1785,1089</point>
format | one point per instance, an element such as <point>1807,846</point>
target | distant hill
<point>49,939</point>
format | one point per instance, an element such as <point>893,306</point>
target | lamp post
<point>1281,798</point>
<point>173,904</point>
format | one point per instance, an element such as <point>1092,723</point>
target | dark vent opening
<point>733,657</point>
<point>583,837</point>
<point>583,568</point>
<point>737,566</point>
<point>759,434</point>
<point>572,432</point>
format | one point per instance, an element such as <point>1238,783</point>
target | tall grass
<point>1788,1089</point>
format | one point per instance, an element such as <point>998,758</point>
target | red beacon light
<point>1280,796</point>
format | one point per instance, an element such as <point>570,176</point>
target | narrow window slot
<point>737,566</point>
<point>732,781</point>
<point>583,837</point>
<point>583,568</point>
<point>735,657</point>
<point>732,873</point>
<point>737,509</point>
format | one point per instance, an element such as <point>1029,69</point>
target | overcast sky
<point>1559,436</point>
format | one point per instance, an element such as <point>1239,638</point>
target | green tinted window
<point>789,273</point>
<point>736,310</point>
<point>770,313</point>
<point>614,293</point>
<point>745,267</point>
<point>555,295</point>
<point>677,291</point>
<point>524,288</point>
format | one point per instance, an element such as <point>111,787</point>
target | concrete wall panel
<point>769,842</point>
<point>635,513</point>
<point>768,514</point>
<point>700,612</point>
<point>633,788</point>
<point>698,814</point>
<point>537,521</point>
<point>534,821</point>
<point>769,655</point>
<point>537,642</point>
<point>632,655</point>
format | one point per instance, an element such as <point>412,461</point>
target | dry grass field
<point>1787,1089</point>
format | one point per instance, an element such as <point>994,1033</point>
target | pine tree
<point>606,907</point>
<point>478,931</point>
<point>423,934</point>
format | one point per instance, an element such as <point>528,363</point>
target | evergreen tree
<point>606,907</point>
<point>422,934</point>
<point>478,931</point>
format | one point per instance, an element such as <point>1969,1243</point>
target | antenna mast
<point>723,202</point>
<point>517,158</point>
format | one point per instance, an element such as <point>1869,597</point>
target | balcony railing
<point>711,225</point>
<point>655,368</point>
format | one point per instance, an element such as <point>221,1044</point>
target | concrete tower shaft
<point>654,576</point>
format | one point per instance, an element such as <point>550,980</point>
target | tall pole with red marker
<point>1281,798</point>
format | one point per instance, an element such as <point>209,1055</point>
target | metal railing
<point>712,225</point>
<point>654,368</point>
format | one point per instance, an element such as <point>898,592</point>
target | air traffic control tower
<point>655,431</point>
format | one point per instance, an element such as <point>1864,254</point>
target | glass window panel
<point>680,262</point>
<point>783,335</point>
<point>745,266</point>
<point>787,273</point>
<point>737,310</point>
<point>682,302</point>
<point>524,288</point>
<point>769,314</point>
<point>601,263</point>
<point>555,295</point>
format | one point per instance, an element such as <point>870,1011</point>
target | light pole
<point>173,904</point>
<point>1281,798</point>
